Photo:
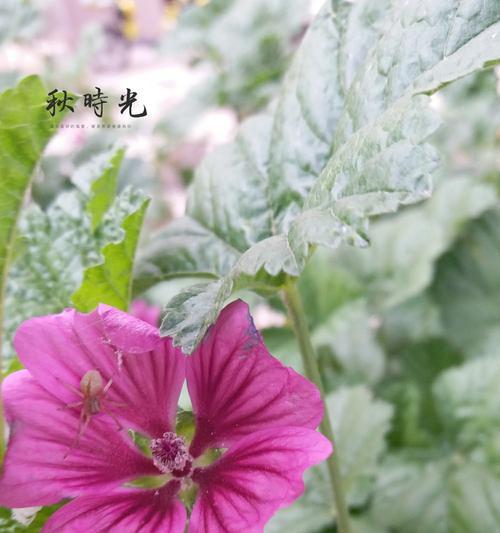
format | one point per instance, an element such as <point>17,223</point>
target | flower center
<point>171,455</point>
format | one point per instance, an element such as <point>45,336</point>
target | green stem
<point>295,308</point>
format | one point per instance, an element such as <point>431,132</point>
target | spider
<point>93,401</point>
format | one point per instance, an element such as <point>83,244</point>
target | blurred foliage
<point>246,44</point>
<point>19,19</point>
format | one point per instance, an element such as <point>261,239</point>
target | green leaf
<point>453,487</point>
<point>325,287</point>
<point>409,387</point>
<point>57,246</point>
<point>339,147</point>
<point>245,210</point>
<point>193,310</point>
<point>360,424</point>
<point>412,321</point>
<point>189,314</point>
<point>13,521</point>
<point>98,180</point>
<point>468,400</point>
<point>412,496</point>
<point>312,99</point>
<point>183,248</point>
<point>236,210</point>
<point>25,129</point>
<point>441,496</point>
<point>422,48</point>
<point>382,165</point>
<point>467,287</point>
<point>110,282</point>
<point>475,500</point>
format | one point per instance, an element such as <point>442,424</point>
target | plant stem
<point>295,308</point>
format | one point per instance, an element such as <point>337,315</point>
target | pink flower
<point>90,376</point>
<point>147,312</point>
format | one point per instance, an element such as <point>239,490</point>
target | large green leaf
<point>110,282</point>
<point>25,129</point>
<point>425,45</point>
<point>338,147</point>
<point>54,248</point>
<point>313,97</point>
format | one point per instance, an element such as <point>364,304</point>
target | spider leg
<point>83,427</point>
<point>83,422</point>
<point>112,402</point>
<point>116,421</point>
<point>72,388</point>
<point>73,405</point>
<point>107,386</point>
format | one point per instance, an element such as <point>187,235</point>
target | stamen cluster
<point>171,455</point>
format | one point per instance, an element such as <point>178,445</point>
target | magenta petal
<point>254,478</point>
<point>59,349</point>
<point>44,463</point>
<point>125,511</point>
<point>127,332</point>
<point>237,387</point>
